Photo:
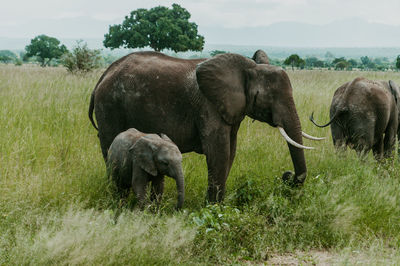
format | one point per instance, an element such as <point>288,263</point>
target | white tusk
<point>294,143</point>
<point>310,137</point>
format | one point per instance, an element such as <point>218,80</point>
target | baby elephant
<point>135,158</point>
<point>365,115</point>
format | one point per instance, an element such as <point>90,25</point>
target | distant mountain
<point>349,38</point>
<point>344,33</point>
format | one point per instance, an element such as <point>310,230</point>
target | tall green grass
<point>57,206</point>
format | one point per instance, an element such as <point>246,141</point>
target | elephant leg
<point>363,144</point>
<point>106,138</point>
<point>108,131</point>
<point>389,141</point>
<point>338,137</point>
<point>157,188</point>
<point>377,149</point>
<point>233,141</point>
<point>139,186</point>
<point>217,149</point>
<point>398,141</point>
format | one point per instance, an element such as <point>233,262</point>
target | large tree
<point>158,27</point>
<point>295,61</point>
<point>398,62</point>
<point>7,56</point>
<point>45,48</point>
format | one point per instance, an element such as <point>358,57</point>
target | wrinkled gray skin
<point>365,115</point>
<point>135,159</point>
<point>199,104</point>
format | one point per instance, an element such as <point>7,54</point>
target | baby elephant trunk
<point>180,186</point>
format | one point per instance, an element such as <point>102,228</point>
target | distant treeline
<point>327,61</point>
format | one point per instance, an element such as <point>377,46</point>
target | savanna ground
<point>58,207</point>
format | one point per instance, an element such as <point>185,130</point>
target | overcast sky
<point>90,19</point>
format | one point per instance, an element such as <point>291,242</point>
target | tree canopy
<point>398,62</point>
<point>81,58</point>
<point>7,56</point>
<point>45,48</point>
<point>294,60</point>
<point>159,28</point>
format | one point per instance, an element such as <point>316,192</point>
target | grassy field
<point>57,206</point>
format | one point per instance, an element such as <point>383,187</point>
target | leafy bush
<point>247,193</point>
<point>223,230</point>
<point>18,62</point>
<point>7,56</point>
<point>82,59</point>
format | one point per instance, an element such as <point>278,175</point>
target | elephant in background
<point>260,57</point>
<point>365,115</point>
<point>135,159</point>
<point>199,104</point>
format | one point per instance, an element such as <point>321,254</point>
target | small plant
<point>214,218</point>
<point>18,62</point>
<point>247,192</point>
<point>81,59</point>
<point>225,229</point>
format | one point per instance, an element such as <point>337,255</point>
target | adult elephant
<point>365,115</point>
<point>199,104</point>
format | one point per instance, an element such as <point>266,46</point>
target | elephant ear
<point>394,90</point>
<point>260,57</point>
<point>142,152</point>
<point>222,80</point>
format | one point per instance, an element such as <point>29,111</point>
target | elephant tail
<point>327,124</point>
<point>91,108</point>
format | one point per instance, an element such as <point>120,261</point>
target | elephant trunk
<point>180,186</point>
<point>291,125</point>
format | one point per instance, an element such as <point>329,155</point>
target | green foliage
<point>159,27</point>
<point>247,193</point>
<point>337,60</point>
<point>223,230</point>
<point>294,60</point>
<point>81,59</point>
<point>45,49</point>
<point>7,56</point>
<point>352,63</point>
<point>312,62</point>
<point>368,63</point>
<point>341,65</point>
<point>398,62</point>
<point>18,62</point>
<point>365,60</point>
<point>5,59</point>
<point>215,52</point>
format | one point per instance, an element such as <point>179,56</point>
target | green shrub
<point>18,62</point>
<point>247,192</point>
<point>81,59</point>
<point>224,231</point>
